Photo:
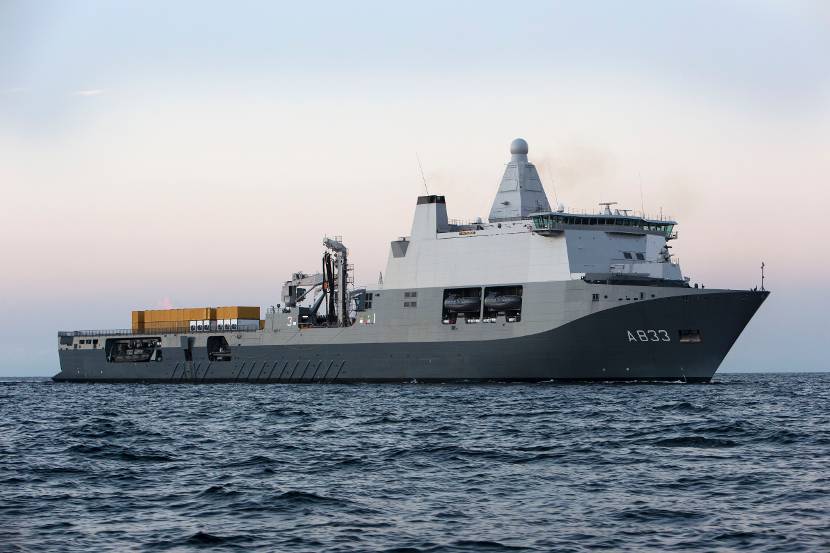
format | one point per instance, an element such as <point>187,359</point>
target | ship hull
<point>640,341</point>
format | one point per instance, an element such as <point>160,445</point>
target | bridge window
<point>551,220</point>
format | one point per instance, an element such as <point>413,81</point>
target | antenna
<point>642,203</point>
<point>762,276</point>
<point>423,178</point>
<point>552,184</point>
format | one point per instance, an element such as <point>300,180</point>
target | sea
<point>739,464</point>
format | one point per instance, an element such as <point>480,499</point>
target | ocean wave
<point>737,466</point>
<point>694,441</point>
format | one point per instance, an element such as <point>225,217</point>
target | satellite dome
<point>518,146</point>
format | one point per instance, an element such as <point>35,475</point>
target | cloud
<point>89,92</point>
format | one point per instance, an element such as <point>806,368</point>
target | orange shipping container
<point>199,314</point>
<point>152,316</point>
<point>237,312</point>
<point>180,318</point>
<point>137,320</point>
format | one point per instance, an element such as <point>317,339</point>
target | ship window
<point>690,336</point>
<point>641,257</point>
<point>627,255</point>
<point>595,297</point>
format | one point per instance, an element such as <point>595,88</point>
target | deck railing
<point>151,331</point>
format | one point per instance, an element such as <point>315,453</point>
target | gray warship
<point>533,294</point>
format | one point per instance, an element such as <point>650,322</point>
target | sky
<point>196,153</point>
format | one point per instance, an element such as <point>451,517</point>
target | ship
<point>532,294</point>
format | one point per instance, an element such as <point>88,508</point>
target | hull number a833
<point>648,335</point>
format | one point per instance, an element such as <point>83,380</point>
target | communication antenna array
<point>421,169</point>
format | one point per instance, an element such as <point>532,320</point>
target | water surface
<point>739,464</point>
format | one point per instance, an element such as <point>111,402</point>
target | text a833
<point>648,335</point>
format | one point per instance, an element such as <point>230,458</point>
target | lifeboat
<point>503,302</point>
<point>458,304</point>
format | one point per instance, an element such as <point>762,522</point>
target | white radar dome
<point>518,146</point>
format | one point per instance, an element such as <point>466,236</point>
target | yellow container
<point>237,312</point>
<point>179,319</point>
<point>138,321</point>
<point>199,314</point>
